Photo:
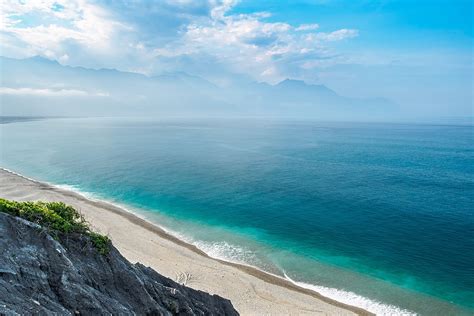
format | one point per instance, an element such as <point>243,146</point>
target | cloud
<point>250,45</point>
<point>307,27</point>
<point>335,36</point>
<point>152,37</point>
<point>55,28</point>
<point>50,92</point>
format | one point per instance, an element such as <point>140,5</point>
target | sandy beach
<point>250,290</point>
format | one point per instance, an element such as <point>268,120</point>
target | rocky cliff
<point>67,274</point>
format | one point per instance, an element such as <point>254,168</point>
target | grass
<point>57,218</point>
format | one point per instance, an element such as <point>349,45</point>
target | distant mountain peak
<point>292,82</point>
<point>42,59</point>
<point>184,77</point>
<point>300,85</point>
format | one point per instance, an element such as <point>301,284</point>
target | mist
<point>41,87</point>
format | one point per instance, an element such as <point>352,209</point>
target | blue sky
<point>416,53</point>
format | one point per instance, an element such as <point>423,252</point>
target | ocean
<point>376,215</point>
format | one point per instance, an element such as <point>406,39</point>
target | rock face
<point>42,275</point>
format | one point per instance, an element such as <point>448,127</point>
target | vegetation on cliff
<point>57,218</point>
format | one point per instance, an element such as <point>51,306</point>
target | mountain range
<point>39,86</point>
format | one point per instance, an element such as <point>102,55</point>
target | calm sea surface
<point>376,215</point>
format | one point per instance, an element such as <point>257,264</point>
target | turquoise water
<point>381,212</point>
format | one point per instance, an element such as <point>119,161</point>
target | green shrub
<point>101,242</point>
<point>56,217</point>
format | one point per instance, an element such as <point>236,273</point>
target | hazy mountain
<point>38,86</point>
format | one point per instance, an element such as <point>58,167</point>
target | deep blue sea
<point>375,215</point>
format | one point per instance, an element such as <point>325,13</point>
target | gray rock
<point>42,275</point>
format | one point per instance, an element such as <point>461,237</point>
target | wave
<point>67,187</point>
<point>223,250</point>
<point>236,254</point>
<point>354,299</point>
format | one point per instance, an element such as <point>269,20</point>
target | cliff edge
<point>42,272</point>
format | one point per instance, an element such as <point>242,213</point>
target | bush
<point>101,242</point>
<point>56,217</point>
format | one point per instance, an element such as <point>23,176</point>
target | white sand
<point>251,291</point>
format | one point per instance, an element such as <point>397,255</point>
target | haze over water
<point>380,210</point>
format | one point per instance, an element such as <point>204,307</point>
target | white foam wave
<point>66,187</point>
<point>19,175</point>
<point>77,190</point>
<point>231,253</point>
<point>353,299</point>
<point>225,251</point>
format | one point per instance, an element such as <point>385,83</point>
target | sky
<point>418,54</point>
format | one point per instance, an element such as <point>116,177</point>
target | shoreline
<point>315,298</point>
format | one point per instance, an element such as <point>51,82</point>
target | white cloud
<point>60,23</point>
<point>50,92</point>
<point>335,36</point>
<point>248,44</point>
<point>307,27</point>
<point>156,36</point>
<point>220,9</point>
